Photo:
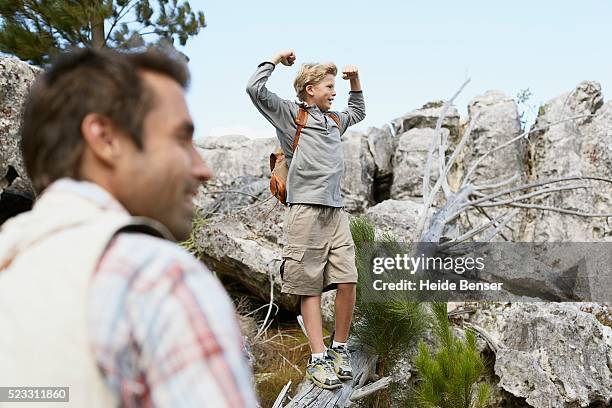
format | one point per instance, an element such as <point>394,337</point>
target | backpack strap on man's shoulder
<point>300,121</point>
<point>335,118</point>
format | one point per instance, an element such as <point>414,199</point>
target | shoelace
<point>343,351</point>
<point>327,364</point>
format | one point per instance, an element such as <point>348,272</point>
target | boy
<point>320,253</point>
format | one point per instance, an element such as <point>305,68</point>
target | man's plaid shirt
<point>163,329</point>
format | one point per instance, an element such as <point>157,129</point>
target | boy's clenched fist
<point>285,57</point>
<point>350,72</point>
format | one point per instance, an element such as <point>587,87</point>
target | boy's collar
<point>302,104</point>
<point>307,106</point>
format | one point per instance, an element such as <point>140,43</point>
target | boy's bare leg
<point>311,313</point>
<point>345,304</point>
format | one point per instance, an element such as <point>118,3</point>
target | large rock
<point>16,192</point>
<point>494,120</point>
<point>382,143</point>
<point>497,121</point>
<point>241,172</point>
<point>414,132</point>
<point>16,77</point>
<point>359,171</point>
<point>233,156</point>
<point>550,271</point>
<point>397,217</point>
<point>581,147</point>
<point>427,117</point>
<point>409,163</point>
<point>551,354</point>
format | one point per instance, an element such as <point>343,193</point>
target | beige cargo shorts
<point>320,252</point>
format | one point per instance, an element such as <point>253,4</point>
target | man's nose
<point>199,169</point>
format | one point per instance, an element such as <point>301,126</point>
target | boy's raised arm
<point>276,110</point>
<point>355,112</point>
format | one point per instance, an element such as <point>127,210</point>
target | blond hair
<point>312,74</point>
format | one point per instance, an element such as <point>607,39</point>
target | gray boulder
<point>246,247</point>
<point>427,117</point>
<point>580,147</point>
<point>494,120</point>
<point>233,156</point>
<point>381,144</point>
<point>551,354</point>
<point>359,169</point>
<point>397,217</point>
<point>497,122</point>
<point>414,134</point>
<point>409,162</point>
<point>16,191</point>
<point>16,77</point>
<point>241,171</point>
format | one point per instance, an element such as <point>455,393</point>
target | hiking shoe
<point>341,360</point>
<point>321,373</point>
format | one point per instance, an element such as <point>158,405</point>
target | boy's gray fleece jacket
<point>316,170</point>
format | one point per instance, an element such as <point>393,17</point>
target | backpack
<point>278,163</point>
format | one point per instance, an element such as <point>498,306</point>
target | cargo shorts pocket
<point>293,263</point>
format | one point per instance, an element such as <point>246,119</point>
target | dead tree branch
<point>435,143</point>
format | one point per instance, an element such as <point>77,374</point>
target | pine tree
<point>33,30</point>
<point>388,328</point>
<point>448,379</point>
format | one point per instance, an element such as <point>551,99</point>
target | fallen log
<point>364,367</point>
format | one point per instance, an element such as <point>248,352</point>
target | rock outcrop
<point>359,170</point>
<point>16,192</point>
<point>551,354</point>
<point>579,147</point>
<point>409,162</point>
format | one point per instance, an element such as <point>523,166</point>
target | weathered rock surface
<point>237,246</point>
<point>236,162</point>
<point>359,168</point>
<point>494,119</point>
<point>551,354</point>
<point>16,192</point>
<point>16,77</point>
<point>427,117</point>
<point>234,156</point>
<point>581,147</point>
<point>409,162</point>
<point>382,144</point>
<point>397,217</point>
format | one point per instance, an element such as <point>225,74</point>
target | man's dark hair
<point>81,82</point>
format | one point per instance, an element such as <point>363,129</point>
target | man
<point>320,253</point>
<point>94,295</point>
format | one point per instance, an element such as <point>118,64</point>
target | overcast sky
<point>408,53</point>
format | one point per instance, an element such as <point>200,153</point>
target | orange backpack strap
<point>300,120</point>
<point>335,118</point>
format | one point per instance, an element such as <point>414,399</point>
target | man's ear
<point>101,137</point>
